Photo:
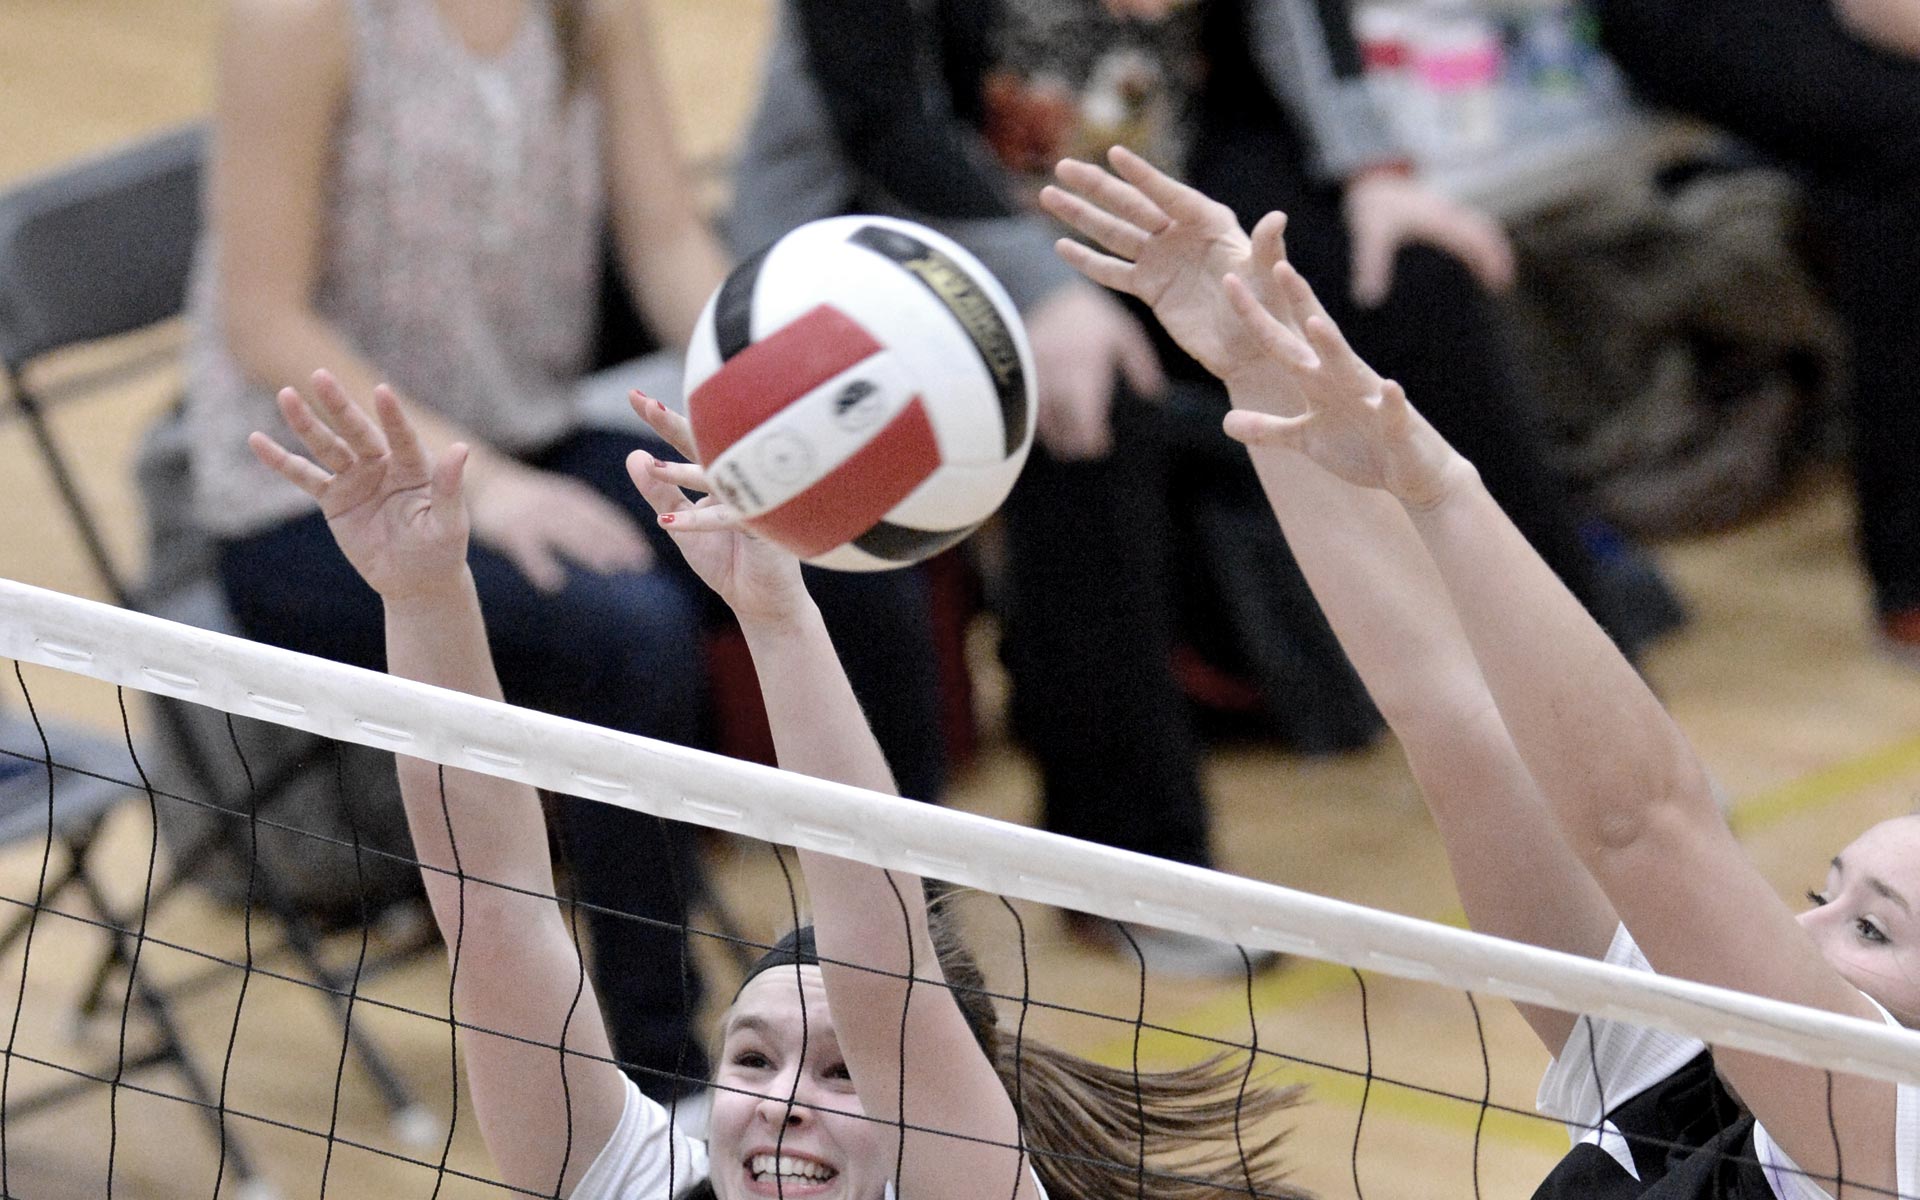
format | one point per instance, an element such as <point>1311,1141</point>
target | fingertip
<point>1240,427</point>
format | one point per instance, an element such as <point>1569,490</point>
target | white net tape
<point>372,709</point>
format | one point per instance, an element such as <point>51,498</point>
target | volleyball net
<point>240,1047</point>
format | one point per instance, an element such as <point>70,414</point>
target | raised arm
<point>398,516</point>
<point>866,950</point>
<point>1172,247</point>
<point>1629,795</point>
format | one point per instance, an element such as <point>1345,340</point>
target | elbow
<point>1628,814</point>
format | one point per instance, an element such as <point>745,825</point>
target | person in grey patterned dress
<point>416,191</point>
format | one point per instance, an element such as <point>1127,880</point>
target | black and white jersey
<point>1651,1120</point>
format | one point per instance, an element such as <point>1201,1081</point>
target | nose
<point>775,1109</point>
<point>1819,923</point>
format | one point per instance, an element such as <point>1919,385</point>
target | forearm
<point>477,825</point>
<point>817,724</point>
<point>1388,604</point>
<point>1379,590</point>
<point>820,730</point>
<point>1594,737</point>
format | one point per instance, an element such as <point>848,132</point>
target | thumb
<point>1139,364</point>
<point>1263,429</point>
<point>1493,260</point>
<point>536,560</point>
<point>444,487</point>
<point>1372,270</point>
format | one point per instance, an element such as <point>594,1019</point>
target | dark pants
<point>621,651</point>
<point>1786,77</point>
<point>1091,620</point>
<point>1090,628</point>
<point>1435,332</point>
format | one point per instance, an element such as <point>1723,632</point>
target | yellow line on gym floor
<point>1304,981</point>
<point>1825,786</point>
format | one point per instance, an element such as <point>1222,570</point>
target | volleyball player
<point>1574,813</point>
<point>834,1071</point>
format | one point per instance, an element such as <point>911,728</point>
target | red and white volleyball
<point>862,392</point>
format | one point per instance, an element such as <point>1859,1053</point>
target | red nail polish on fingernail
<point>666,518</point>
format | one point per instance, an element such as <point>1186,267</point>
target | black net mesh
<point>249,1004</point>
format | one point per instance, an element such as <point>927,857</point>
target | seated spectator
<point>1831,90</point>
<point>934,112</point>
<point>416,192</point>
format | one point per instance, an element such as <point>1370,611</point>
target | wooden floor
<point>1811,734</point>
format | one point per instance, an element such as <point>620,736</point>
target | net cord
<point>465,732</point>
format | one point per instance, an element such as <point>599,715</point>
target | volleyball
<point>862,392</point>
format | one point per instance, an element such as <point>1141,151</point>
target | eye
<point>1868,931</point>
<point>838,1071</point>
<point>752,1060</point>
<point>1817,899</point>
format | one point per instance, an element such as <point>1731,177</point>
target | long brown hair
<point>1082,1123</point>
<point>1095,1132</point>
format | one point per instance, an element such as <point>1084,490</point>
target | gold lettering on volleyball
<point>974,309</point>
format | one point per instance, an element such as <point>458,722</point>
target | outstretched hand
<point>1170,246</point>
<point>758,579</point>
<point>1355,425</point>
<point>396,513</point>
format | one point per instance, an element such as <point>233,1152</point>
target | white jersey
<point>650,1158</point>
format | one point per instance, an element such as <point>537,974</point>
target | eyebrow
<point>756,1024</point>
<point>1879,887</point>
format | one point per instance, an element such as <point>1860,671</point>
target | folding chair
<point>69,809</point>
<point>87,253</point>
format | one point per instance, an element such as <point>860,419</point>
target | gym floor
<point>1812,734</point>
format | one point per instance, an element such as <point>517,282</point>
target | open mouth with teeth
<point>787,1170</point>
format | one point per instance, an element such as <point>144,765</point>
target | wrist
<point>431,597</point>
<point>1453,483</point>
<point>772,625</point>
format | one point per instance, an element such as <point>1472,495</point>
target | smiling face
<point>818,1146</point>
<point>1866,920</point>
